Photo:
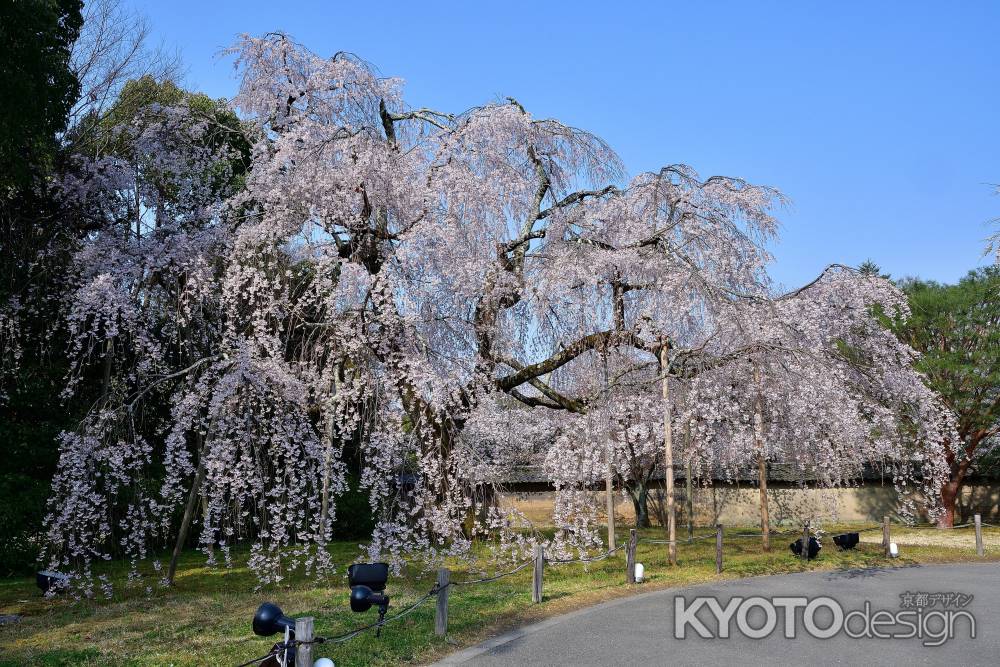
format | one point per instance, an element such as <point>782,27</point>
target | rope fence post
<point>441,615</point>
<point>885,535</point>
<point>979,535</point>
<point>536,581</point>
<point>718,548</point>
<point>304,633</point>
<point>633,540</point>
<point>805,543</point>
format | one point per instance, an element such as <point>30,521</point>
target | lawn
<point>205,618</point>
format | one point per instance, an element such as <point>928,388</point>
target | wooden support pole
<point>886,537</point>
<point>633,541</point>
<point>536,581</point>
<point>979,536</point>
<point>758,430</point>
<point>805,542</point>
<point>668,454</point>
<point>441,617</point>
<point>689,491</point>
<point>765,515</point>
<point>718,548</point>
<point>610,491</point>
<point>304,633</point>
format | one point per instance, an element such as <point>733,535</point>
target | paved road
<point>640,630</point>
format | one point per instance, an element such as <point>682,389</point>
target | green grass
<point>205,618</point>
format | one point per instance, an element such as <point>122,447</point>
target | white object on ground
<point>893,550</point>
<point>323,662</point>
<point>640,572</point>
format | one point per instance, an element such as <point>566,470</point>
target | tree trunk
<point>639,493</point>
<point>951,489</point>
<point>668,458</point>
<point>949,496</point>
<point>192,501</point>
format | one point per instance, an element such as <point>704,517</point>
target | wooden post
<point>805,543</point>
<point>304,633</point>
<point>718,548</point>
<point>689,490</point>
<point>441,617</point>
<point>758,433</point>
<point>668,453</point>
<point>609,490</point>
<point>536,582</point>
<point>885,535</point>
<point>633,540</point>
<point>979,536</point>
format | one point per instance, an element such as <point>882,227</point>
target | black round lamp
<point>269,620</point>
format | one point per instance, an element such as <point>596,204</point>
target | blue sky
<point>880,123</point>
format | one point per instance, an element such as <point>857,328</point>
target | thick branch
<point>557,360</point>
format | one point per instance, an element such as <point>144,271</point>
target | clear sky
<point>880,123</point>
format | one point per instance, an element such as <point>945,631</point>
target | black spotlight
<point>372,575</point>
<point>846,541</point>
<point>270,620</point>
<point>367,581</point>
<point>814,547</point>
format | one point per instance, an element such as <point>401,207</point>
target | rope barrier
<point>262,658</point>
<point>587,560</point>
<point>686,540</point>
<point>338,639</point>
<point>351,634</point>
<point>493,578</point>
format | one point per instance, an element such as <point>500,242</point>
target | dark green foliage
<point>957,330</point>
<point>29,424</point>
<point>354,518</point>
<point>37,91</point>
<point>37,86</point>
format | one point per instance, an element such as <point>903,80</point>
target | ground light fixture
<point>846,541</point>
<point>270,620</point>
<point>367,582</point>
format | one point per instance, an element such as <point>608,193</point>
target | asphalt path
<point>640,630</point>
